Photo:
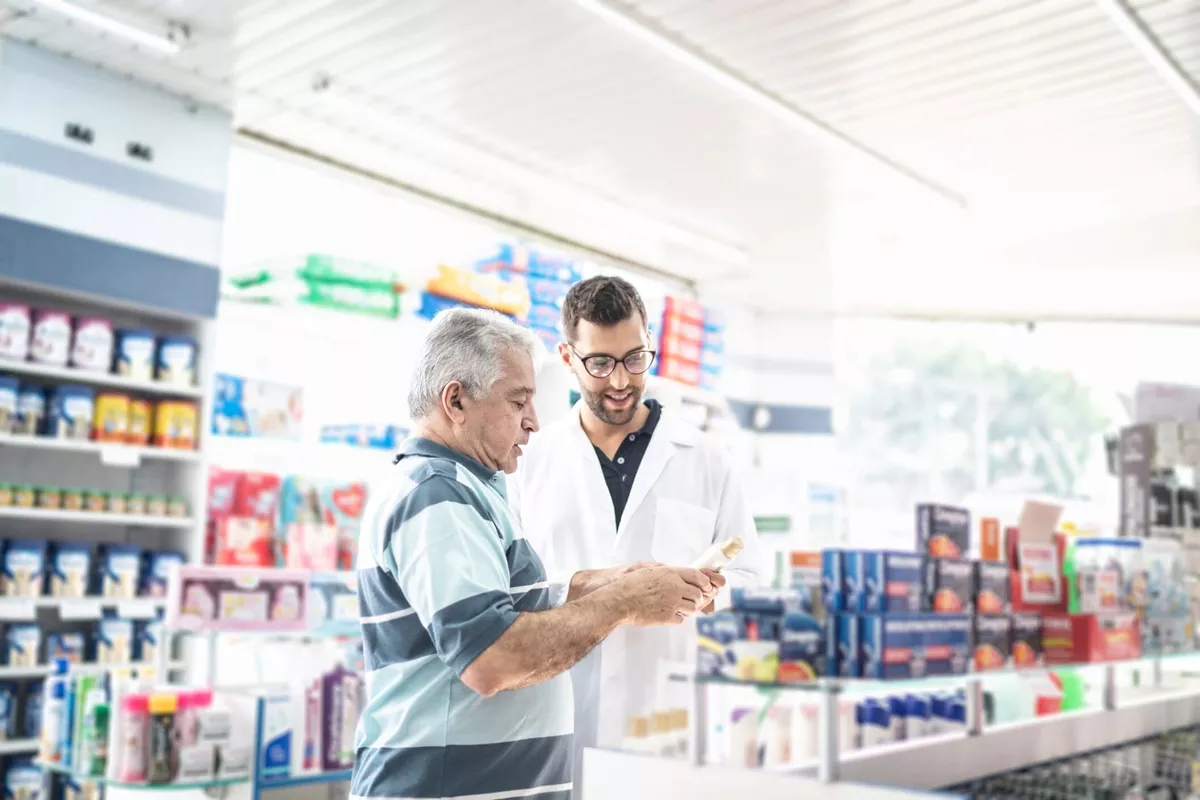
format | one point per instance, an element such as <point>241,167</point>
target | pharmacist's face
<point>614,399</point>
<point>500,424</point>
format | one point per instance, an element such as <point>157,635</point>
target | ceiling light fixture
<point>668,45</point>
<point>167,45</point>
<point>1140,35</point>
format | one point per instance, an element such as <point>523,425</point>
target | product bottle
<point>918,716</point>
<point>52,721</point>
<point>719,554</point>
<point>898,708</point>
<point>777,737</point>
<point>661,742</point>
<point>743,737</point>
<point>97,760</point>
<point>877,724</point>
<point>680,731</point>
<point>162,755</point>
<point>135,714</point>
<point>638,740</point>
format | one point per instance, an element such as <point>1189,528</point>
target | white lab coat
<point>685,496</point>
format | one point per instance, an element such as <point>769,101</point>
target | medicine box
<point>943,531</point>
<point>991,588</point>
<point>891,582</point>
<point>991,642</point>
<point>1026,632</point>
<point>947,644</point>
<point>715,635</point>
<point>949,585</point>
<point>802,655</point>
<point>843,651</point>
<point>1078,638</point>
<point>914,645</point>
<point>832,567</point>
<point>770,601</point>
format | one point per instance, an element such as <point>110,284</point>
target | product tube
<point>719,554</point>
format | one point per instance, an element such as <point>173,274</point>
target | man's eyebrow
<point>520,390</point>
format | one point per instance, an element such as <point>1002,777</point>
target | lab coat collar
<point>676,430</point>
<point>420,446</point>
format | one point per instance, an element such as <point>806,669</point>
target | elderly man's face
<point>502,422</point>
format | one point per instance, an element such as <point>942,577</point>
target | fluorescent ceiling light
<point>1139,34</point>
<point>161,44</point>
<point>700,63</point>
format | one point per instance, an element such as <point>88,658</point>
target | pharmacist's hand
<point>718,583</point>
<point>663,595</point>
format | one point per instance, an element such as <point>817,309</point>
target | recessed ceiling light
<point>167,45</point>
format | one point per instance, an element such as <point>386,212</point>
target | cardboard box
<point>992,588</point>
<point>1082,638</point>
<point>715,635</point>
<point>991,642</point>
<point>892,582</point>
<point>943,531</point>
<point>802,647</point>
<point>949,585</point>
<point>843,654</point>
<point>770,601</point>
<point>1026,640</point>
<point>841,580</point>
<point>914,645</point>
<point>947,644</point>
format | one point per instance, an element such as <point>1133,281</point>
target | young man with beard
<point>622,479</point>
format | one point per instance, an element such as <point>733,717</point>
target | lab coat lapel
<point>592,476</point>
<point>662,446</point>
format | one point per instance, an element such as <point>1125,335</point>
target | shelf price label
<point>17,610</point>
<point>116,455</point>
<point>134,609</point>
<point>80,608</point>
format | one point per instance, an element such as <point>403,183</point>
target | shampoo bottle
<point>719,554</point>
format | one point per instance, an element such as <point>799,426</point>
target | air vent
<point>142,152</point>
<point>79,133</point>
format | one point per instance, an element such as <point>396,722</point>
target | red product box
<point>1082,638</point>
<point>685,349</point>
<point>676,327</point>
<point>1036,579</point>
<point>257,496</point>
<point>676,369</point>
<point>683,308</point>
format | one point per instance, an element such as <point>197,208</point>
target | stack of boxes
<point>691,343</point>
<point>544,276</point>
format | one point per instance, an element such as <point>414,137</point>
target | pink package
<point>14,331</point>
<point>92,344</point>
<point>51,343</point>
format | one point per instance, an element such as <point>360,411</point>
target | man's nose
<point>619,379</point>
<point>531,422</point>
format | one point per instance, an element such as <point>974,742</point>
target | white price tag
<point>345,608</point>
<point>116,455</point>
<point>136,609</point>
<point>16,609</point>
<point>81,608</point>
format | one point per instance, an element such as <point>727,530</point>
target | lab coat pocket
<point>682,531</point>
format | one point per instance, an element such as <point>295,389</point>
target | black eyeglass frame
<point>584,360</point>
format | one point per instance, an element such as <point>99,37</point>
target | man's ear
<point>564,352</point>
<point>453,397</point>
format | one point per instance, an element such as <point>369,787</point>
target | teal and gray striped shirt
<point>443,570</point>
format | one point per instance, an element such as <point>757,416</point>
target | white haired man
<point>467,644</point>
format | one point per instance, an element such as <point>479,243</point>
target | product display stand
<point>260,784</point>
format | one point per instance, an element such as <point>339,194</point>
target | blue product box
<point>70,569</point>
<point>31,410</point>
<point>118,571</point>
<point>70,646</point>
<point>156,570</point>
<point>802,655</point>
<point>893,647</point>
<point>133,354</point>
<point>715,635</point>
<point>114,641</point>
<point>950,585</point>
<point>24,568</point>
<point>943,531</point>
<point>770,601</point>
<point>891,582</point>
<point>853,579</point>
<point>832,583</point>
<point>947,644</point>
<point>72,409</point>
<point>844,653</point>
<point>23,645</point>
<point>175,360</point>
<point>34,694</point>
<point>147,638</point>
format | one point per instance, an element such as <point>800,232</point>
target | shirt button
<point>621,460</point>
<point>632,436</point>
<point>623,479</point>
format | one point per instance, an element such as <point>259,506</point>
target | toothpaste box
<point>943,531</point>
<point>914,645</point>
<point>770,601</point>
<point>715,635</point>
<point>802,654</point>
<point>1026,640</point>
<point>949,585</point>
<point>843,651</point>
<point>991,641</point>
<point>755,653</point>
<point>892,582</point>
<point>991,588</point>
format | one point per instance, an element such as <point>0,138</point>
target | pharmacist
<point>622,480</point>
<point>466,656</point>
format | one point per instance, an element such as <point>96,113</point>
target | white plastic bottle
<point>719,554</point>
<point>52,722</point>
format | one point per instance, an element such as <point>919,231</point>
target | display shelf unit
<point>43,670</point>
<point>99,518</point>
<point>53,374</point>
<point>12,747</point>
<point>259,783</point>
<point>110,455</point>
<point>213,783</point>
<point>13,609</point>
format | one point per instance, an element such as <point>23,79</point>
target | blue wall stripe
<point>57,259</point>
<point>784,418</point>
<point>72,165</point>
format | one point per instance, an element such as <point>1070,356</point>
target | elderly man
<point>467,644</point>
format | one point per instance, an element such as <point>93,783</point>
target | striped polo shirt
<point>443,570</point>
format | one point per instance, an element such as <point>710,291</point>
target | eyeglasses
<point>599,365</point>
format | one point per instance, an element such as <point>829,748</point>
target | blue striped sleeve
<point>450,563</point>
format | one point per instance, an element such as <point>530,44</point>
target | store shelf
<point>266,785</point>
<point>42,670</point>
<point>15,746</point>
<point>953,759</point>
<point>113,455</point>
<point>91,378</point>
<point>95,518</point>
<point>149,787</point>
<point>14,609</point>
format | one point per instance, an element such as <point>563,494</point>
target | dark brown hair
<point>603,300</point>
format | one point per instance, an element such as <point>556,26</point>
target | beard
<point>595,401</point>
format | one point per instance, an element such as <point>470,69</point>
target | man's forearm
<point>542,644</point>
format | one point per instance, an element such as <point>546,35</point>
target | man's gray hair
<point>465,345</point>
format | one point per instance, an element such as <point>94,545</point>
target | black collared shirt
<point>620,471</point>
